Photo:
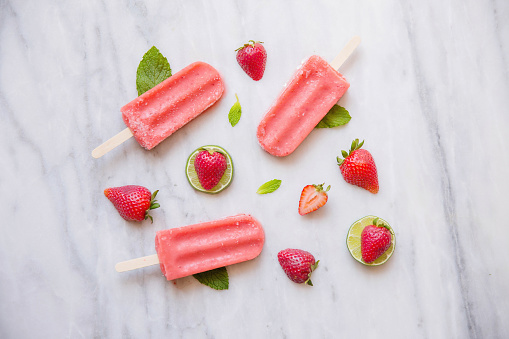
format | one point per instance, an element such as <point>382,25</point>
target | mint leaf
<point>153,69</point>
<point>235,112</point>
<point>216,278</point>
<point>337,116</point>
<point>269,186</point>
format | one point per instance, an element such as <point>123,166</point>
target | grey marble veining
<point>429,95</point>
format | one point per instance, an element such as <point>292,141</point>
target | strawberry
<point>358,167</point>
<point>312,198</point>
<point>298,265</point>
<point>132,202</point>
<point>210,167</point>
<point>375,240</point>
<point>252,57</point>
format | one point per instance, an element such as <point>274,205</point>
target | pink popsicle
<point>162,110</point>
<point>310,94</point>
<point>202,247</point>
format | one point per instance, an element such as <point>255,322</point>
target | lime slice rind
<point>192,176</point>
<point>353,241</point>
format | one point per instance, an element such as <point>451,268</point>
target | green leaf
<point>313,267</point>
<point>337,116</point>
<point>153,203</point>
<point>153,69</point>
<point>235,112</point>
<point>269,186</point>
<point>154,195</point>
<point>216,278</point>
<point>354,145</point>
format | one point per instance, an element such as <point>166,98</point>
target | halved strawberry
<point>312,198</point>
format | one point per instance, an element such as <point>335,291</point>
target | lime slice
<point>353,240</point>
<point>192,176</point>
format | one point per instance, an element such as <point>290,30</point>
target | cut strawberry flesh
<point>311,199</point>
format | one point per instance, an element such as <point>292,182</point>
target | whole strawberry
<point>375,240</point>
<point>252,57</point>
<point>312,198</point>
<point>358,167</point>
<point>210,167</point>
<point>298,265</point>
<point>132,202</point>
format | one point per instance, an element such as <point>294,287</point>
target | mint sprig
<point>235,112</point>
<point>337,116</point>
<point>216,278</point>
<point>269,186</point>
<point>152,70</point>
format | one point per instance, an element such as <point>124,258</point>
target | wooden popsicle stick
<point>137,263</point>
<point>111,143</point>
<point>345,52</point>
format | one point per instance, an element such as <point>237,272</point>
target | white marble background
<point>429,94</point>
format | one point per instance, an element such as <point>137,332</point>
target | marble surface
<point>429,94</point>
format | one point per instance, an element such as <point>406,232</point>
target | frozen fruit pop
<point>162,110</point>
<point>202,247</point>
<point>310,94</point>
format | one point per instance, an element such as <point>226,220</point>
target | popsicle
<point>202,247</point>
<point>162,110</point>
<point>314,88</point>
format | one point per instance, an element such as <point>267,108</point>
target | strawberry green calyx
<point>320,187</point>
<point>153,205</point>
<point>313,267</point>
<point>210,150</point>
<point>375,223</point>
<point>250,43</point>
<point>355,146</point>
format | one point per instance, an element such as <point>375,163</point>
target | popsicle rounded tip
<point>96,154</point>
<point>118,267</point>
